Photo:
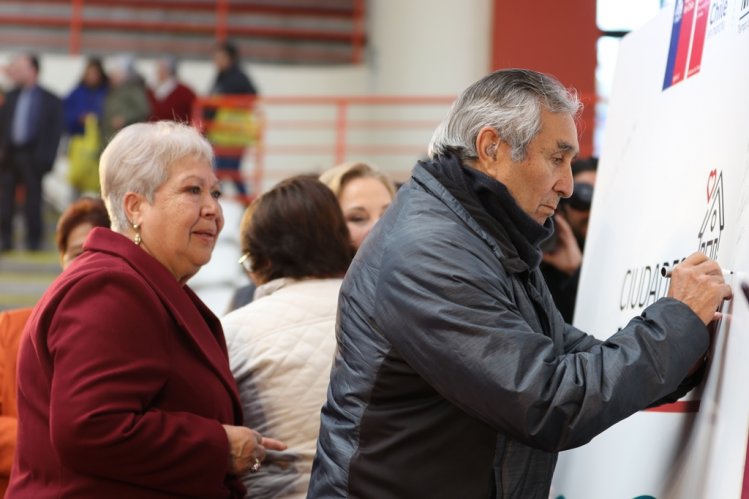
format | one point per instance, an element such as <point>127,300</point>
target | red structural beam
<point>222,16</point>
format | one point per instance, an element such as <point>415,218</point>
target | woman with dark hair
<point>74,225</point>
<point>281,346</point>
<point>87,97</point>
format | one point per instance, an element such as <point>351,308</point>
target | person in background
<point>124,386</point>
<point>455,375</point>
<point>87,97</point>
<point>31,124</point>
<point>281,346</point>
<point>230,78</point>
<point>170,99</point>
<point>364,194</point>
<point>74,225</point>
<point>563,250</point>
<point>233,127</point>
<point>127,101</point>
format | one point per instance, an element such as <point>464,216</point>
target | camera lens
<point>581,196</point>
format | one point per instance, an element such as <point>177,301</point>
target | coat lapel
<point>195,321</point>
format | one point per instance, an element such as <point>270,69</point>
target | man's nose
<point>565,184</point>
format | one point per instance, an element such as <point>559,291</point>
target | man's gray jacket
<point>455,375</point>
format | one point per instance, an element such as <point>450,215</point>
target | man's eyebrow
<point>566,147</point>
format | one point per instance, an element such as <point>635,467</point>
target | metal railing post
<point>341,123</point>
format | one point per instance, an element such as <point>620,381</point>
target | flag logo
<point>687,40</point>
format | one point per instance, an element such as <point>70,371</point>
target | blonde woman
<point>364,194</point>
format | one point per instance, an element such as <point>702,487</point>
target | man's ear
<point>487,144</point>
<point>134,207</point>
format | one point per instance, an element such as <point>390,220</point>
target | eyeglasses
<point>246,262</point>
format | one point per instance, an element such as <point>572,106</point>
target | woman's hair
<point>337,177</point>
<point>84,210</point>
<point>296,230</point>
<point>98,65</point>
<point>138,160</point>
<point>508,100</point>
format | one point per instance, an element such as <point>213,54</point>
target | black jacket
<point>233,81</point>
<point>453,362</point>
<point>50,123</point>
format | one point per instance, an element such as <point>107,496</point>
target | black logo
<point>714,221</point>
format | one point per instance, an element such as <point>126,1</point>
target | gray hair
<point>138,160</point>
<point>509,100</point>
<point>170,62</point>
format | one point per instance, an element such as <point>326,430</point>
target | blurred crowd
<point>110,95</point>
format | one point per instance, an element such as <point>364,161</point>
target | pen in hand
<point>666,272</point>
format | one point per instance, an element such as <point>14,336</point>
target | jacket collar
<point>198,324</point>
<point>271,287</point>
<point>488,204</point>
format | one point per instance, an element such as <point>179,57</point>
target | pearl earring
<point>137,240</point>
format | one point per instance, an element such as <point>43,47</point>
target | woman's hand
<point>566,257</point>
<point>247,448</point>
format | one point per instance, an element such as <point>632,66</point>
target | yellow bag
<point>83,157</point>
<point>233,127</point>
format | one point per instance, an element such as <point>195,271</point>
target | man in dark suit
<point>31,123</point>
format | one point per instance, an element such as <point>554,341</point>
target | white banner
<point>673,178</point>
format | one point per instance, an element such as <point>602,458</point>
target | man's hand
<point>566,256</point>
<point>247,448</point>
<point>698,282</point>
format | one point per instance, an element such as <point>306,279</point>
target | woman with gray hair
<point>124,382</point>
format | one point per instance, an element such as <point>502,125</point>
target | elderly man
<point>455,374</point>
<point>170,99</point>
<point>31,123</point>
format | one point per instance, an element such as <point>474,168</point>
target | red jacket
<point>12,323</point>
<point>124,383</point>
<point>176,106</point>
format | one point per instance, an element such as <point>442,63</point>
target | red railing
<point>309,134</point>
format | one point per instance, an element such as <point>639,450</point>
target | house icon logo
<point>714,221</point>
